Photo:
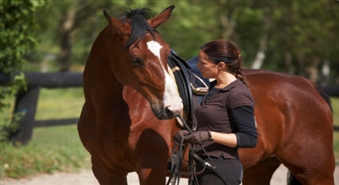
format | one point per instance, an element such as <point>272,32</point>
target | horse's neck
<point>98,72</point>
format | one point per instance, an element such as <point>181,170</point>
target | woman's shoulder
<point>240,95</point>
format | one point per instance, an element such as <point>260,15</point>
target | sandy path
<point>85,177</point>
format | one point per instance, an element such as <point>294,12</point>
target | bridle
<point>177,160</point>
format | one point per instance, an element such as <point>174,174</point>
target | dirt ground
<point>85,177</point>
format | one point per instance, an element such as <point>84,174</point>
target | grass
<point>51,148</point>
<point>59,148</point>
<point>335,105</point>
<point>59,103</point>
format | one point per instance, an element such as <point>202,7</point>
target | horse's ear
<point>114,23</point>
<point>161,18</point>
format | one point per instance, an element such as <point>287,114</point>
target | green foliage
<point>289,27</point>
<point>17,37</point>
<point>9,125</point>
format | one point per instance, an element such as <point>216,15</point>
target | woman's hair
<point>225,51</point>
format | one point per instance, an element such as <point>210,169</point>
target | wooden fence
<point>27,101</point>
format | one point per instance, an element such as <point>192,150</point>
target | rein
<point>185,80</point>
<point>188,84</point>
<point>176,163</point>
<point>177,159</point>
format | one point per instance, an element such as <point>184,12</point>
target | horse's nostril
<point>168,112</point>
<point>171,113</point>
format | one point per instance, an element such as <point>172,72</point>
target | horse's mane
<point>326,97</point>
<point>140,27</point>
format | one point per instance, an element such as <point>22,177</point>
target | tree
<point>283,36</point>
<point>301,40</point>
<point>17,38</point>
<point>74,16</point>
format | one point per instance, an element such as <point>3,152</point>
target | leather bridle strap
<point>176,165</point>
<point>177,158</point>
<point>194,173</point>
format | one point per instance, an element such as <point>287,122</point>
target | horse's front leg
<point>152,171</point>
<point>261,173</point>
<point>108,176</point>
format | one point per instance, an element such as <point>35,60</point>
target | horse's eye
<point>137,61</point>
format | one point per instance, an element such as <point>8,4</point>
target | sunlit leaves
<point>17,38</point>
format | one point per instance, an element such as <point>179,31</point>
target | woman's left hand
<point>198,137</point>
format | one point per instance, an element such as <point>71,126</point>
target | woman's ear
<point>221,65</point>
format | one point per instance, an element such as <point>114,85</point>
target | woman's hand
<point>198,137</point>
<point>180,135</point>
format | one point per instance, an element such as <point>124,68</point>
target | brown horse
<point>126,123</point>
<point>295,128</point>
<point>127,120</point>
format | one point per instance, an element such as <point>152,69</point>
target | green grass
<point>51,148</point>
<point>59,148</point>
<point>335,105</point>
<point>59,103</point>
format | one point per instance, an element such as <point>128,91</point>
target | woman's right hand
<point>180,135</point>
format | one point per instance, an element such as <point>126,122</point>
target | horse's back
<point>283,88</point>
<point>291,113</point>
<point>293,100</point>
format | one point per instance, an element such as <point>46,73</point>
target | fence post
<point>25,102</point>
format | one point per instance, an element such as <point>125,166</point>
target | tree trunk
<point>312,69</point>
<point>65,28</point>
<point>289,63</point>
<point>227,24</point>
<point>260,57</point>
<point>325,73</point>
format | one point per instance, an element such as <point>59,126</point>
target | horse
<point>295,128</point>
<point>127,122</point>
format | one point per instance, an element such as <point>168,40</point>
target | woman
<point>225,118</point>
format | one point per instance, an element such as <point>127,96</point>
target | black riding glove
<point>178,137</point>
<point>199,137</point>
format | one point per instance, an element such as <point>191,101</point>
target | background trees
<point>296,37</point>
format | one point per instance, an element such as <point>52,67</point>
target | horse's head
<point>139,59</point>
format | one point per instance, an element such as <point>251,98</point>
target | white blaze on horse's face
<point>154,47</point>
<point>171,99</point>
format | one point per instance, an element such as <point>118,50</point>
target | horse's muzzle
<point>168,112</point>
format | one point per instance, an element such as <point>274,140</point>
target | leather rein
<point>184,79</point>
<point>189,84</point>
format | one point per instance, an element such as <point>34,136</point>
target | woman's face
<point>206,66</point>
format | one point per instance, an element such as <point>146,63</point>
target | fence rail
<point>27,101</point>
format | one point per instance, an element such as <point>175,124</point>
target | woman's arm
<point>245,135</point>
<point>229,140</point>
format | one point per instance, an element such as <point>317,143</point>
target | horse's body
<point>127,120</point>
<point>295,128</point>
